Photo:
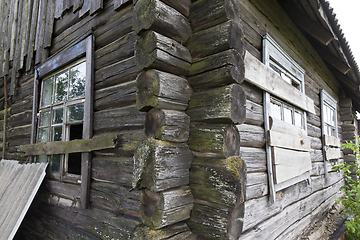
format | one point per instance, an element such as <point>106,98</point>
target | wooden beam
<point>332,141</point>
<point>265,78</point>
<point>104,141</point>
<point>333,153</point>
<point>303,21</point>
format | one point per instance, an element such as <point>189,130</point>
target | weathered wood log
<point>182,6</point>
<point>218,77</point>
<point>118,118</point>
<point>19,132</point>
<point>255,158</point>
<point>160,165</point>
<point>254,113</point>
<point>219,141</point>
<point>161,90</point>
<point>19,119</point>
<point>167,125</point>
<point>160,209</point>
<point>115,96</point>
<point>229,57</point>
<point>208,13</point>
<point>169,232</point>
<point>216,39</point>
<point>216,221</point>
<point>251,135</point>
<point>224,104</point>
<point>116,73</point>
<point>155,15</point>
<point>154,50</point>
<point>221,181</point>
<point>257,185</point>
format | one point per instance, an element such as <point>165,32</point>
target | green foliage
<point>351,198</point>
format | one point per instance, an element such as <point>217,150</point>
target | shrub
<point>351,199</point>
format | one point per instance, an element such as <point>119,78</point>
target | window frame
<point>83,47</point>
<point>274,55</point>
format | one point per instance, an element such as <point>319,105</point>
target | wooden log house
<point>177,119</point>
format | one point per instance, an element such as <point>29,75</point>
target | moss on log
<point>169,232</point>
<point>219,141</point>
<point>208,13</point>
<point>167,125</point>
<point>160,165</point>
<point>216,39</point>
<point>161,90</point>
<point>160,209</point>
<point>220,105</point>
<point>157,16</point>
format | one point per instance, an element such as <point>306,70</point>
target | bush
<point>351,198</point>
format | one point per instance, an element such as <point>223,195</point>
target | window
<point>61,115</point>
<point>329,114</point>
<point>285,106</point>
<point>62,111</point>
<point>286,112</point>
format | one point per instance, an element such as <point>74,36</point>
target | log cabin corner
<point>191,119</point>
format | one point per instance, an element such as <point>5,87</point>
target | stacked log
<point>218,173</point>
<point>349,129</point>
<point>162,161</point>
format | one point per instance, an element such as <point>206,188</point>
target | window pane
<point>275,69</point>
<point>57,133</point>
<point>44,119</point>
<point>75,112</point>
<point>61,87</point>
<point>298,119</point>
<point>286,78</point>
<point>43,135</point>
<point>58,116</point>
<point>42,159</point>
<point>288,115</point>
<point>77,80</point>
<point>55,163</point>
<point>275,110</point>
<point>74,163</point>
<point>47,91</point>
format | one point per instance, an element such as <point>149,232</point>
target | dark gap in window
<point>74,160</point>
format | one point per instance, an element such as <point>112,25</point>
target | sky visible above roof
<point>348,16</point>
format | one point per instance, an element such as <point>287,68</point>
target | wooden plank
<point>88,122</point>
<point>85,8</point>
<point>49,148</point>
<point>287,141</point>
<point>40,31</point>
<point>288,164</point>
<point>283,127</point>
<point>77,5</point>
<point>267,79</point>
<point>119,3</point>
<point>49,24</point>
<point>63,58</point>
<point>333,153</point>
<point>32,34</point>
<point>332,141</point>
<point>26,31</point>
<point>95,5</point>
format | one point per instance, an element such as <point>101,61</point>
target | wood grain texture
<point>277,139</point>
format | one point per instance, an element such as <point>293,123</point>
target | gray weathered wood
<point>169,232</point>
<point>161,90</point>
<point>287,141</point>
<point>162,18</point>
<point>167,125</point>
<point>182,6</point>
<point>160,165</point>
<point>160,209</point>
<point>208,13</point>
<point>222,37</point>
<point>154,50</point>
<point>220,141</point>
<point>224,104</point>
<point>216,221</point>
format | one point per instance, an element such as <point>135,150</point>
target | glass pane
<point>61,87</point>
<point>298,119</point>
<point>286,78</point>
<point>75,112</point>
<point>57,133</point>
<point>43,135</point>
<point>74,163</point>
<point>275,69</point>
<point>58,116</point>
<point>77,80</point>
<point>288,115</point>
<point>45,119</point>
<point>55,163</point>
<point>47,91</point>
<point>42,159</point>
<point>275,110</point>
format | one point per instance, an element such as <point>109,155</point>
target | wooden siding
<point>19,184</point>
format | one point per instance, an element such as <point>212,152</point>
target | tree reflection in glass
<point>75,112</point>
<point>61,87</point>
<point>77,80</point>
<point>47,91</point>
